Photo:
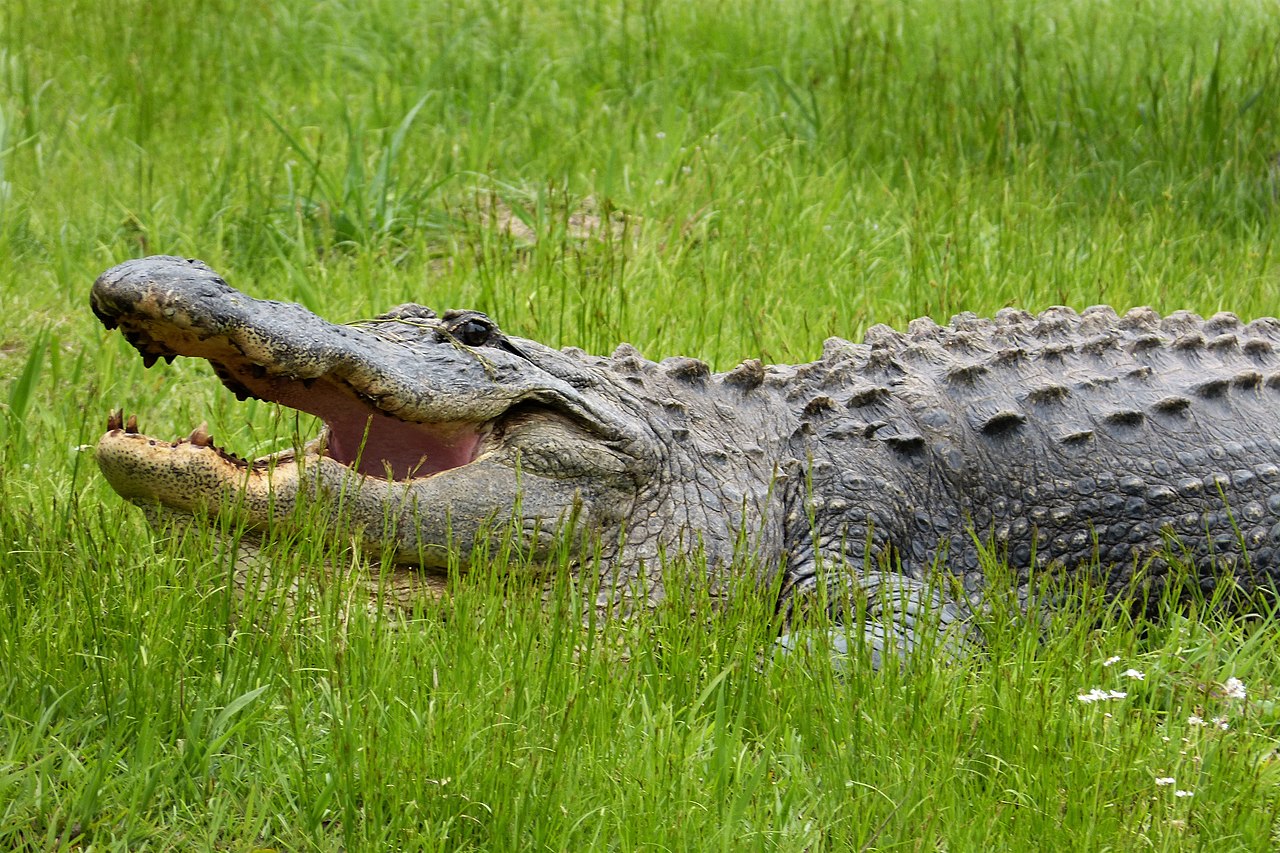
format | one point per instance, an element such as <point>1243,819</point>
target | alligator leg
<point>885,615</point>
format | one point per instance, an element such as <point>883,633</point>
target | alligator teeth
<point>229,456</point>
<point>131,425</point>
<point>115,420</point>
<point>200,436</point>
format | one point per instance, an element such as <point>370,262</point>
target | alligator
<point>883,476</point>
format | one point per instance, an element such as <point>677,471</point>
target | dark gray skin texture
<point>1060,441</point>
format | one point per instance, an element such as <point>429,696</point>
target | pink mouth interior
<point>362,437</point>
<point>379,445</point>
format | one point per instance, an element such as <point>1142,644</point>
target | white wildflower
<point>1163,781</point>
<point>1221,722</point>
<point>1097,694</point>
<point>1181,793</point>
<point>1196,720</point>
<point>661,134</point>
<point>1111,660</point>
<point>1136,675</point>
<point>1234,688</point>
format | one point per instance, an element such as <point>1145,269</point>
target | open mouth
<point>356,434</point>
<point>382,447</point>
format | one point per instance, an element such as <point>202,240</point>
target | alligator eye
<point>473,333</point>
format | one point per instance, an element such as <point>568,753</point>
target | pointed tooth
<point>115,420</point>
<point>229,456</point>
<point>149,360</point>
<point>131,425</point>
<point>200,436</point>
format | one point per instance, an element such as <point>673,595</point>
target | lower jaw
<point>182,474</point>
<point>341,571</point>
<point>266,571</point>
<point>347,560</point>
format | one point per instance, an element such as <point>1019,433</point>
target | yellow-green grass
<point>778,172</point>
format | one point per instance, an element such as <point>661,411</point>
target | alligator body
<point>1063,440</point>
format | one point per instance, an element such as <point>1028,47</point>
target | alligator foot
<point>901,616</point>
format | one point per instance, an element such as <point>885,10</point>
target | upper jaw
<point>407,370</point>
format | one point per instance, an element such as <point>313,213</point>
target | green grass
<point>786,171</point>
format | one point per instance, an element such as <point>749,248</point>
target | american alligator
<point>1056,441</point>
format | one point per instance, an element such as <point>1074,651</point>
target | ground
<point>770,174</point>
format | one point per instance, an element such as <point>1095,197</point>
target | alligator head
<point>438,430</point>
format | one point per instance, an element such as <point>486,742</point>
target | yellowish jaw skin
<point>181,476</point>
<point>190,477</point>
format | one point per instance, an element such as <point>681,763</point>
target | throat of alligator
<point>359,435</point>
<point>379,445</point>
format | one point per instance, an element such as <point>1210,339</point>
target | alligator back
<point>1060,440</point>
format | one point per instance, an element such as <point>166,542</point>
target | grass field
<point>771,173</point>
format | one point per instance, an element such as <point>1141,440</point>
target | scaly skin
<point>1061,441</point>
